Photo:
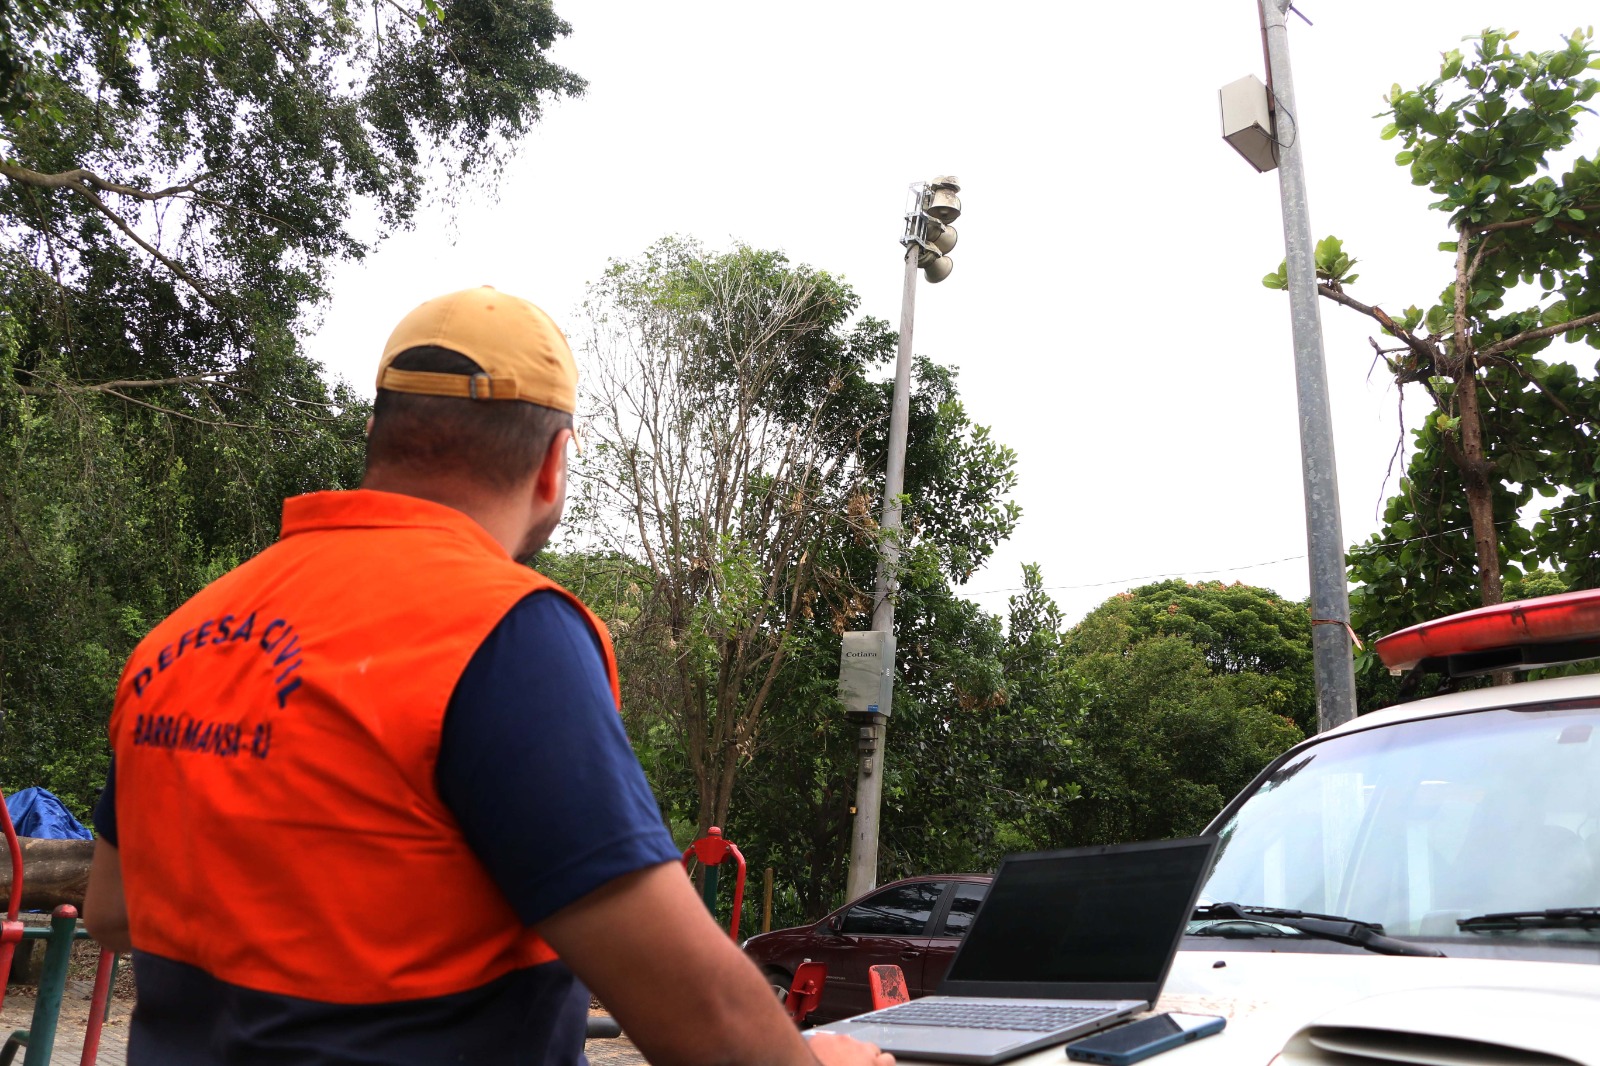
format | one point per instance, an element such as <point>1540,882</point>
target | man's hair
<point>494,443</point>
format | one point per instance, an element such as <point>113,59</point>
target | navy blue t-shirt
<point>537,769</point>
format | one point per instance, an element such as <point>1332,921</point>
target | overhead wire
<point>1366,549</point>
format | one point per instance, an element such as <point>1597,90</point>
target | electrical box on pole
<point>866,672</point>
<point>1247,122</point>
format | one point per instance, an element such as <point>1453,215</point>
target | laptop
<point>1066,943</point>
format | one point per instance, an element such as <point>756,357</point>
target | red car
<point>914,924</point>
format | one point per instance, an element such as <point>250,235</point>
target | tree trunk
<point>53,872</point>
<point>1476,473</point>
<point>1479,485</point>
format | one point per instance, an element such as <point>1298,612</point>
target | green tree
<point>742,432</point>
<point>717,381</point>
<point>175,180</point>
<point>737,448</point>
<point>1243,632</point>
<point>1508,422</point>
<point>1172,728</point>
<point>977,762</point>
<point>184,174</point>
<point>111,514</point>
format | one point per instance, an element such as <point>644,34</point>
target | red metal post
<point>98,1007</point>
<point>712,850</point>
<point>11,928</point>
<point>738,893</point>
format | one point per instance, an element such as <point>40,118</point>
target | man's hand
<point>834,1049</point>
<point>682,991</point>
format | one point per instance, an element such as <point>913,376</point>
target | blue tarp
<point>37,813</point>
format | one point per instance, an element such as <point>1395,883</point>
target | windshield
<point>1419,824</point>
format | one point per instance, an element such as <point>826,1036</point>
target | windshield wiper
<point>1554,918</point>
<point>1368,935</point>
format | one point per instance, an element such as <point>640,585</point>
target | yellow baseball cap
<point>520,351</point>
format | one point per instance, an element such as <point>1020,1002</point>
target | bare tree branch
<point>1422,347</point>
<point>1477,259</point>
<point>112,386</point>
<point>177,268</point>
<point>1519,223</point>
<point>81,179</point>
<point>278,42</point>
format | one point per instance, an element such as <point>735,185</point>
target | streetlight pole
<point>1330,597</point>
<point>928,236</point>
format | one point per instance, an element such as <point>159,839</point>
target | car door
<point>946,937</point>
<point>889,926</point>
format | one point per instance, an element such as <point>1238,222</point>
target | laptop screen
<point>1097,916</point>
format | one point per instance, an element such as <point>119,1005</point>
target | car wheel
<point>780,983</point>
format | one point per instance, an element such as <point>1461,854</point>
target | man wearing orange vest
<point>371,799</point>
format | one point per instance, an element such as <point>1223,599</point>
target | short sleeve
<point>536,767</point>
<point>105,808</point>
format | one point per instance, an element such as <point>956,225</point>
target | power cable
<point>1362,550</point>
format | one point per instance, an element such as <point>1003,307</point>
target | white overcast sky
<point>1105,314</point>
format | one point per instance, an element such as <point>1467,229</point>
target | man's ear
<point>550,486</point>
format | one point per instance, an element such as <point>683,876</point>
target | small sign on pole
<point>866,672</point>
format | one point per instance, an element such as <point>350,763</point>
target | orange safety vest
<point>276,738</point>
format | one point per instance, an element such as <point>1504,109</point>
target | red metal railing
<point>712,851</point>
<point>11,928</point>
<point>39,1038</point>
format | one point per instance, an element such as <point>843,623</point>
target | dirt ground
<point>73,1022</point>
<point>618,1052</point>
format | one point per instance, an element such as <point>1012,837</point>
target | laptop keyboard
<point>1033,1018</point>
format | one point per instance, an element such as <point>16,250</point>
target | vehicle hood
<point>1315,1009</point>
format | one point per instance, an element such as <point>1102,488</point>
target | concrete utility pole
<point>863,875</point>
<point>928,237</point>
<point>1330,598</point>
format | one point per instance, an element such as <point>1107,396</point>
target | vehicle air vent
<point>1344,1045</point>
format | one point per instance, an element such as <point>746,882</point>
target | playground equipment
<point>805,991</point>
<point>40,1037</point>
<point>11,929</point>
<point>712,851</point>
<point>888,985</point>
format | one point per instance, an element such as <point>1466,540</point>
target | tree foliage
<point>1509,422</point>
<point>1248,633</point>
<point>111,515</point>
<point>175,180</point>
<point>1173,726</point>
<point>737,450</point>
<point>1138,723</point>
<point>977,760</point>
<point>194,168</point>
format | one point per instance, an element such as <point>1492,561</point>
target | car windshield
<point>1420,824</point>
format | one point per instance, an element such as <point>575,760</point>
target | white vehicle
<point>1420,886</point>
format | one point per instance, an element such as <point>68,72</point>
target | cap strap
<point>479,386</point>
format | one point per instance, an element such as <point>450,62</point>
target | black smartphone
<point>1141,1039</point>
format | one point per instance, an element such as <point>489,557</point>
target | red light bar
<point>1563,619</point>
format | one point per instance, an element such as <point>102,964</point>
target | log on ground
<point>53,872</point>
